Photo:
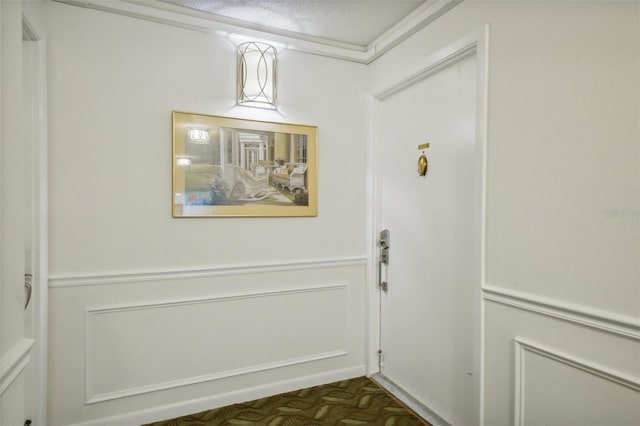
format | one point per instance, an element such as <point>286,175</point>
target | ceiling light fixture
<point>257,75</point>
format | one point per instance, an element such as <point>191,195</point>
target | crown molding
<point>414,22</point>
<point>169,14</point>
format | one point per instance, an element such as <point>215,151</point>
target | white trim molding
<point>522,346</point>
<point>14,362</point>
<point>35,73</point>
<point>211,271</point>
<point>92,399</point>
<point>577,314</point>
<point>475,43</point>
<point>210,402</point>
<point>92,312</point>
<point>407,399</point>
<point>170,14</point>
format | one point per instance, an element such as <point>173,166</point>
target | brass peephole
<point>423,163</point>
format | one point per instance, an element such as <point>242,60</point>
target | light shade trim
<point>257,75</point>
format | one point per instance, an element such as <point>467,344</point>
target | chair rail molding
<point>107,278</point>
<point>583,315</point>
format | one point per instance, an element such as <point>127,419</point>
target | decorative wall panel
<point>553,388</point>
<point>133,349</point>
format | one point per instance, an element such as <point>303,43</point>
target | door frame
<point>34,52</point>
<point>476,43</point>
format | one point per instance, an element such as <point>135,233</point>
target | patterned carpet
<point>351,402</point>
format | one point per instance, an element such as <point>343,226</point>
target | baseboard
<point>404,397</point>
<point>201,404</point>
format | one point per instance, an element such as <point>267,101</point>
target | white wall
<point>276,303</point>
<point>563,221</point>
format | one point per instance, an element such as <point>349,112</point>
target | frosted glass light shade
<point>257,75</point>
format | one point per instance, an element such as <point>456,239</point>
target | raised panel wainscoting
<point>176,342</point>
<point>550,362</point>
<point>548,379</point>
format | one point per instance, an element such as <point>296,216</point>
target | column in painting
<point>281,147</point>
<point>292,148</point>
<point>262,148</point>
<point>223,151</point>
<point>235,143</point>
<point>180,169</point>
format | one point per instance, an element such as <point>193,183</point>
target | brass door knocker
<point>423,163</point>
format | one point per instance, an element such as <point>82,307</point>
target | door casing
<point>475,43</point>
<point>35,101</point>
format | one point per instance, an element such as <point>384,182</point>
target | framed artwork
<point>226,167</point>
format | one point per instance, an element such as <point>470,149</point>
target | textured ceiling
<point>356,22</point>
<point>353,30</point>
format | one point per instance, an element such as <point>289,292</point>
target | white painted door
<point>430,314</point>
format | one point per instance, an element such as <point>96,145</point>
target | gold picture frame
<point>232,167</point>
